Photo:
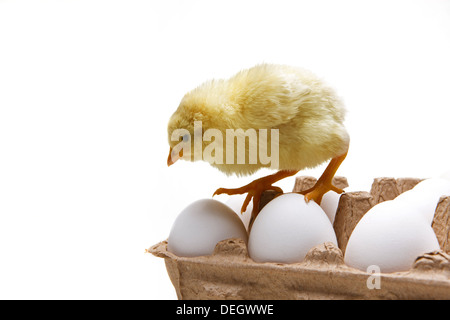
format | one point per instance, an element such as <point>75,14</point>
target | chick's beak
<point>171,160</point>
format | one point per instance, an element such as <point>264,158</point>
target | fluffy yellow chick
<point>306,112</point>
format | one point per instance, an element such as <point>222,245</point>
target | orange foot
<point>323,185</point>
<point>256,188</point>
<point>320,188</point>
<point>253,189</point>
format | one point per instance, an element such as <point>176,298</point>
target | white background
<point>87,88</point>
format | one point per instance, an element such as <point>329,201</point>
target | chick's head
<point>198,111</point>
<point>180,134</point>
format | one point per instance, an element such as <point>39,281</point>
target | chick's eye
<point>186,138</point>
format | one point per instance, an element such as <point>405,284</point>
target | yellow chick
<point>305,112</point>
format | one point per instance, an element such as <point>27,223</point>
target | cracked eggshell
<point>201,225</point>
<point>287,228</point>
<point>391,236</point>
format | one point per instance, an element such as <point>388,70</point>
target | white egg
<point>201,225</point>
<point>329,204</point>
<point>391,236</point>
<point>425,196</point>
<point>287,228</point>
<point>235,202</point>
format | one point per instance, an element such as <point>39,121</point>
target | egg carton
<point>229,273</point>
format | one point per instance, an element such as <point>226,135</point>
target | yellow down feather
<point>307,112</point>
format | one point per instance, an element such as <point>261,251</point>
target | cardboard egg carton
<point>229,273</point>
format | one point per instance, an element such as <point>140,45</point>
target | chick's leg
<point>256,188</point>
<point>323,185</point>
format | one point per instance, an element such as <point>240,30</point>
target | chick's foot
<point>324,184</point>
<point>255,188</point>
<point>316,193</point>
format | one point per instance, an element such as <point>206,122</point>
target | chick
<point>306,112</point>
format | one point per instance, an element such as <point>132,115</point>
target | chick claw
<point>316,193</point>
<point>254,190</point>
<point>323,185</point>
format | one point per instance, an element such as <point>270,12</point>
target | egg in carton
<point>229,273</point>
